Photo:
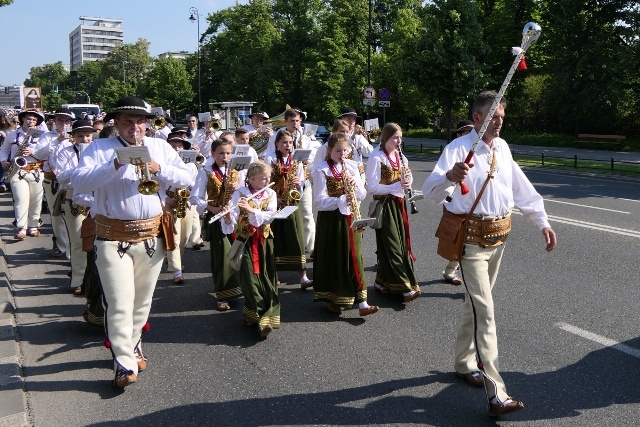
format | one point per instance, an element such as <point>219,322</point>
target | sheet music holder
<point>133,155</point>
<point>284,212</point>
<point>241,150</point>
<point>240,163</point>
<point>362,223</point>
<point>301,155</point>
<point>204,117</point>
<point>34,132</point>
<point>417,195</point>
<point>310,130</point>
<point>371,124</point>
<point>158,111</point>
<point>188,156</point>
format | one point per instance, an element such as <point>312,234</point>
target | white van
<point>78,109</point>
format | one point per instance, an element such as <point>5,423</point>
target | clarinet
<point>408,191</point>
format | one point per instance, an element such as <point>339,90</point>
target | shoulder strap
<point>489,176</point>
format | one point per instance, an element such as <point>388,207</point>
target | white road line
<point>586,206</point>
<point>590,225</point>
<point>599,339</point>
<point>616,198</point>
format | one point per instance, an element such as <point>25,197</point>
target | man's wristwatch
<point>157,173</point>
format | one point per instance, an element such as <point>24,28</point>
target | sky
<point>45,26</point>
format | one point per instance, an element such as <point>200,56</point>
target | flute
<point>232,207</point>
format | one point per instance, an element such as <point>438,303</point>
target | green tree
<point>443,60</point>
<point>168,85</point>
<point>5,2</point>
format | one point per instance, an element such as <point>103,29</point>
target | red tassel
<point>69,274</point>
<point>480,366</point>
<point>522,65</point>
<point>107,343</point>
<point>463,188</point>
<point>146,327</point>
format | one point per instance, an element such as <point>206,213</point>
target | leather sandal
<point>333,307</point>
<point>21,235</point>
<point>381,289</point>
<point>265,330</point>
<point>369,310</point>
<point>455,280</point>
<point>307,284</point>
<point>78,291</point>
<point>140,359</point>
<point>411,296</point>
<point>178,280</point>
<point>474,379</point>
<point>512,405</point>
<point>223,306</point>
<point>33,233</point>
<point>124,378</point>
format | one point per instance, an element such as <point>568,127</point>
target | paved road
<point>536,151</point>
<point>554,314</point>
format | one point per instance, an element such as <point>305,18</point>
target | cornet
<point>147,186</point>
<point>215,125</point>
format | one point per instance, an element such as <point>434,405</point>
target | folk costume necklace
<point>259,196</point>
<point>394,164</point>
<point>284,167</point>
<point>334,170</point>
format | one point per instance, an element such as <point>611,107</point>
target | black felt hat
<point>36,113</point>
<point>64,112</point>
<point>82,126</point>
<point>259,114</point>
<point>186,144</point>
<point>130,105</point>
<point>348,112</point>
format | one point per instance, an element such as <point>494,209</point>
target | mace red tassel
<point>107,343</point>
<point>463,188</point>
<point>522,65</point>
<point>146,327</point>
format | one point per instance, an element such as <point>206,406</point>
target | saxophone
<point>352,201</point>
<point>292,193</point>
<point>19,162</point>
<point>181,197</point>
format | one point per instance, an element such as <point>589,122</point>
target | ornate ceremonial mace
<point>530,34</point>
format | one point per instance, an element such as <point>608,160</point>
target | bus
<point>78,109</point>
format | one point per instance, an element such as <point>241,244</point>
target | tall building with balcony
<point>93,39</point>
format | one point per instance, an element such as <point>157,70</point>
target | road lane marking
<point>590,225</point>
<point>607,342</point>
<point>616,198</point>
<point>586,206</point>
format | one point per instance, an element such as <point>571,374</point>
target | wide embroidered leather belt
<point>49,175</point>
<point>488,231</point>
<point>132,231</point>
<point>32,166</point>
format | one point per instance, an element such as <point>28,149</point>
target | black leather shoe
<point>496,409</point>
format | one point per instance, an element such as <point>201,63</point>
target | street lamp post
<point>195,17</point>
<point>380,11</point>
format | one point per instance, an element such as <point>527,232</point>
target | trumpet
<point>158,123</point>
<point>147,186</point>
<point>215,125</point>
<point>200,159</point>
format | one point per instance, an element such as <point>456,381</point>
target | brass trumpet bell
<point>215,125</point>
<point>158,123</point>
<point>200,159</point>
<point>295,195</point>
<point>148,187</point>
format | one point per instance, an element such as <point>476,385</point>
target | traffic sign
<point>384,104</point>
<point>369,92</point>
<point>384,95</point>
<point>369,102</point>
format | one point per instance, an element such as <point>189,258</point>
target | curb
<point>13,408</point>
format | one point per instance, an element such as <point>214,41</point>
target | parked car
<point>323,132</point>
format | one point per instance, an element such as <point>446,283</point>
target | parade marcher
<point>128,248</point>
<point>360,146</point>
<point>251,220</point>
<point>339,279</point>
<point>288,239</point>
<point>242,138</point>
<point>74,207</point>
<point>26,184</point>
<point>203,137</point>
<point>476,345</point>
<point>450,272</point>
<point>387,179</point>
<point>177,202</point>
<point>256,129</point>
<point>214,187</point>
<point>293,120</point>
<point>45,148</point>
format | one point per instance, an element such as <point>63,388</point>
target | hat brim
<point>186,144</point>
<point>354,115</point>
<point>89,129</point>
<point>33,112</point>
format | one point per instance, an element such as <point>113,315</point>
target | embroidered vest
<point>389,175</point>
<point>217,196</point>
<point>244,228</point>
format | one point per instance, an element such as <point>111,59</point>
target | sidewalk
<point>13,409</point>
<point>532,150</point>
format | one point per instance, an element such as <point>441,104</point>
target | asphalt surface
<point>391,368</point>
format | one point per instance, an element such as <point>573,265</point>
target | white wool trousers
<point>27,198</point>
<point>57,223</point>
<point>183,227</point>
<point>128,274</point>
<point>78,257</point>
